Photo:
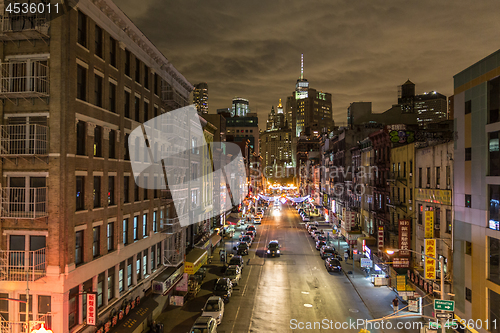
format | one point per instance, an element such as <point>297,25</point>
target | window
<point>145,263</point>
<point>494,210</point>
<point>152,258</point>
<point>411,167</point>
<point>146,111</point>
<point>136,192</point>
<point>111,190</point>
<point>97,191</point>
<point>96,241</point>
<point>137,108</point>
<point>494,153</point>
<point>494,309</point>
<point>428,177</point>
<point>468,294</point>
<point>129,273</point>
<point>98,141</point>
<point>156,84</point>
<point>22,308</point>
<point>437,222</point>
<point>468,154</point>
<point>78,247</point>
<point>4,306</point>
<point>44,304</point>
<point>126,189</point>
<point>438,176</point>
<point>125,231</point>
<point>127,105</point>
<point>82,29</point>
<point>100,287</point>
<point>155,221</point>
<point>110,236</point>
<point>144,225</point>
<point>146,76</point>
<point>468,199</point>
<point>448,221</point>
<point>127,149</point>
<point>158,254</point>
<point>468,107</point>
<point>73,307</point>
<point>146,188</point>
<point>448,176</point>
<point>155,191</point>
<point>155,114</point>
<point>81,83</point>
<point>111,284</point>
<point>121,281</point>
<point>112,51</point>
<point>80,193</point>
<point>80,138</point>
<point>136,234</point>
<point>98,41</point>
<point>98,90</point>
<point>127,62</point>
<point>112,97</point>
<point>420,177</point>
<point>137,70</point>
<point>112,144</point>
<point>138,266</point>
<point>468,248</point>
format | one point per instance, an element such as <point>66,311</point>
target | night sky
<point>356,50</point>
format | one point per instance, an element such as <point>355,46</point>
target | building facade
<point>200,97</point>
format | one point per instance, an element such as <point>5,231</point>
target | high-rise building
<point>243,128</point>
<point>74,222</point>
<point>240,107</point>
<point>276,120</point>
<point>476,197</point>
<point>200,97</point>
<point>308,107</point>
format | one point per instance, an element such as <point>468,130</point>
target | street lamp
<point>42,330</point>
<point>441,262</point>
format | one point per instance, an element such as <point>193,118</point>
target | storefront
<point>135,318</point>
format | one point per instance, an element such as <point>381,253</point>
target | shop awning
<point>194,260</point>
<point>232,220</point>
<point>215,239</point>
<point>136,317</point>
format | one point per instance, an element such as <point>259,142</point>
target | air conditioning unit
<point>437,185</point>
<point>448,187</point>
<point>411,174</point>
<point>428,185</point>
<point>437,226</point>
<point>410,208</point>
<point>409,201</point>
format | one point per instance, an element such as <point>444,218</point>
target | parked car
<point>242,248</point>
<point>311,228</point>
<point>237,260</point>
<point>252,228</point>
<point>214,307</point>
<point>204,324</point>
<point>316,232</point>
<point>273,249</point>
<point>223,288</point>
<point>320,237</point>
<point>257,220</point>
<point>251,234</point>
<point>320,244</point>
<point>246,239</point>
<point>234,273</point>
<point>326,252</point>
<point>306,218</point>
<point>333,265</point>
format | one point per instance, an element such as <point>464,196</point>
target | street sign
<point>365,262</point>
<point>445,315</point>
<point>444,305</point>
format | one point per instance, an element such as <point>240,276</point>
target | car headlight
<point>268,251</point>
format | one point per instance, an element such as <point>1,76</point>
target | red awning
<point>231,220</point>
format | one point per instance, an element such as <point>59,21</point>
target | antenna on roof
<point>302,66</point>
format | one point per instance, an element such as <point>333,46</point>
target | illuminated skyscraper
<point>200,97</point>
<point>240,107</point>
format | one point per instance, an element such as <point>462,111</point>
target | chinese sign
<point>325,200</point>
<point>91,309</point>
<point>401,262</point>
<point>183,284</point>
<point>401,283</point>
<point>429,224</point>
<point>380,238</point>
<point>404,238</point>
<point>430,264</point>
<point>435,196</point>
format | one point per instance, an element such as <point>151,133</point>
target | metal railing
<point>171,97</point>
<point>29,139</point>
<point>30,24</point>
<point>28,78</point>
<point>22,202</point>
<point>173,257</point>
<point>22,265</point>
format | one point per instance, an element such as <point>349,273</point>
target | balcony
<point>170,226</point>
<point>24,140</point>
<point>22,265</point>
<point>172,258</point>
<point>23,203</point>
<point>24,79</point>
<point>396,202</point>
<point>172,98</point>
<point>24,26</point>
<point>397,177</point>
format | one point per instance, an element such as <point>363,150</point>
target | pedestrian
<point>346,256</point>
<point>395,304</point>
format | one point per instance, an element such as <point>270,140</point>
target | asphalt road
<point>284,294</point>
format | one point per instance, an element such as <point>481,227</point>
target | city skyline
<point>360,52</point>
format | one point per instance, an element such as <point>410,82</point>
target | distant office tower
<point>276,120</point>
<point>240,107</point>
<point>243,128</point>
<point>200,97</point>
<point>308,107</point>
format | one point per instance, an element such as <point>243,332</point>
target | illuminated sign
<point>430,264</point>
<point>429,224</point>
<point>380,238</point>
<point>434,196</point>
<point>301,94</point>
<point>91,309</point>
<point>404,238</point>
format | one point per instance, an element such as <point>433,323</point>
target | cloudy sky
<point>356,50</point>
